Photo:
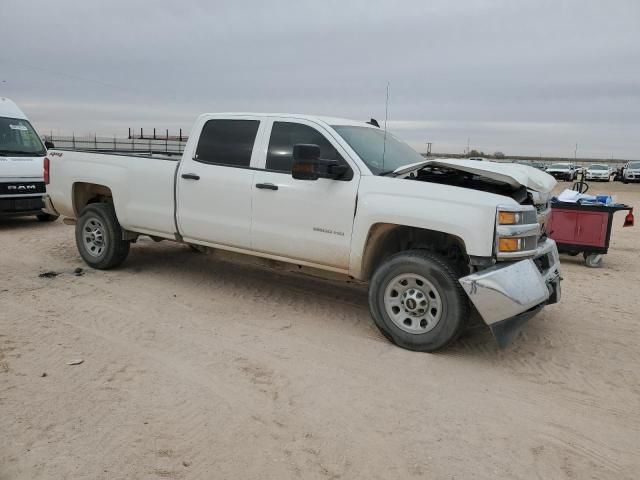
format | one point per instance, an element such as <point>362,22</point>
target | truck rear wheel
<point>417,302</point>
<point>99,237</point>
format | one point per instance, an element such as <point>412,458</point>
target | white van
<point>22,155</point>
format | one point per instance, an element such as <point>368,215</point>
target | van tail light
<point>628,220</point>
<point>46,171</point>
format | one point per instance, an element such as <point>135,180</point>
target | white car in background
<point>631,172</point>
<point>22,184</point>
<point>599,171</point>
<point>562,171</point>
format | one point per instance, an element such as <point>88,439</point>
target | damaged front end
<point>523,275</point>
<point>509,293</point>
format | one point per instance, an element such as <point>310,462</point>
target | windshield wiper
<point>385,173</point>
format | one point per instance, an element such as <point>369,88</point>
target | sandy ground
<point>196,366</point>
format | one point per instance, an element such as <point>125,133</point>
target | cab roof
<point>314,118</point>
<point>10,109</point>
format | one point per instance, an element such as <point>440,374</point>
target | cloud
<point>523,77</point>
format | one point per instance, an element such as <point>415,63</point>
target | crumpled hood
<point>513,174</point>
<point>21,167</point>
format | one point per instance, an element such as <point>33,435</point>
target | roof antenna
<point>386,115</point>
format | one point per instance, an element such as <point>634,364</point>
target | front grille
<point>22,188</point>
<point>529,217</point>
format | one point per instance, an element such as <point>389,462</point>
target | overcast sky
<point>522,77</point>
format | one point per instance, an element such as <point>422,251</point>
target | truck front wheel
<point>417,302</point>
<point>99,237</point>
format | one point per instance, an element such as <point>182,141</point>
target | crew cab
<point>22,186</point>
<point>434,239</point>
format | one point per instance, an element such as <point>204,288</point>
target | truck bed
<point>142,186</point>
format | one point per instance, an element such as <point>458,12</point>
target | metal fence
<point>165,146</point>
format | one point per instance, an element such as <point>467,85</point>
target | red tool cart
<point>584,228</point>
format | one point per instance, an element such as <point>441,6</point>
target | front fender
<point>463,213</point>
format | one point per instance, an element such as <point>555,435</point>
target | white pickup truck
<point>433,238</point>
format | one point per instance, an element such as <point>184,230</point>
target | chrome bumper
<point>515,291</point>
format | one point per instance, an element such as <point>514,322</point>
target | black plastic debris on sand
<point>50,274</point>
<point>78,272</point>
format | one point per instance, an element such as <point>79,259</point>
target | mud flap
<point>506,330</point>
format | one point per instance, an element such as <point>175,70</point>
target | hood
<point>510,173</point>
<point>25,167</point>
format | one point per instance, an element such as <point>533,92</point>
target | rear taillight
<point>46,171</point>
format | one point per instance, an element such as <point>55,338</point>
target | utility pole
<point>575,153</point>
<point>468,142</point>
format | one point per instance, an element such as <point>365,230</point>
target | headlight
<point>517,231</point>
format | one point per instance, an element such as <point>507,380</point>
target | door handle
<point>266,186</point>
<point>190,176</point>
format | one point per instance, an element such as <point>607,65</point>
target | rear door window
<point>227,142</point>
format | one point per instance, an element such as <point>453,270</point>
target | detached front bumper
<point>509,293</point>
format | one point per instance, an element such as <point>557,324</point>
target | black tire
<point>46,217</point>
<point>115,250</point>
<point>454,302</point>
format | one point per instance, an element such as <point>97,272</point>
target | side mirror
<point>306,161</point>
<point>48,144</point>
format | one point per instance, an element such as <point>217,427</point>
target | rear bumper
<point>18,205</point>
<point>48,206</point>
<point>509,293</point>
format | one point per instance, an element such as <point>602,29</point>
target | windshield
<point>634,165</point>
<point>17,137</point>
<point>369,144</point>
<point>559,166</point>
<point>598,167</point>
